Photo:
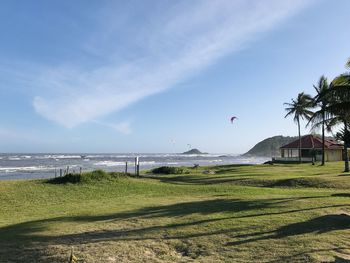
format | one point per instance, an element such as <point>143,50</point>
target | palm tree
<point>300,109</point>
<point>318,118</point>
<point>340,108</point>
<point>348,63</point>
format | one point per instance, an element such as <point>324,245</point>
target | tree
<point>340,108</point>
<point>318,118</point>
<point>299,107</point>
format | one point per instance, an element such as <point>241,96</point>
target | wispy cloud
<point>162,50</point>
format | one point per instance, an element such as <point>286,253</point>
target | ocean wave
<point>215,161</point>
<point>58,156</point>
<point>109,163</point>
<point>114,163</point>
<point>148,162</point>
<point>25,169</point>
<point>14,158</point>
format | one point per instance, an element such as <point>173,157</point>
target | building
<point>311,148</point>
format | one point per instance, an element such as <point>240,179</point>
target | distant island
<point>270,146</point>
<point>194,151</point>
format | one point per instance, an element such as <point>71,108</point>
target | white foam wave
<point>14,158</point>
<point>149,162</point>
<point>59,156</point>
<point>25,169</point>
<point>215,161</point>
<point>109,163</point>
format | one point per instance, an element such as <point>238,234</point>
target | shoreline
<point>38,167</point>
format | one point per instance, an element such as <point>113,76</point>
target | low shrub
<point>169,170</point>
<point>97,175</point>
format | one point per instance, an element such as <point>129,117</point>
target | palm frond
<point>300,107</point>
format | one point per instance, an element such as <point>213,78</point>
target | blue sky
<point>154,76</point>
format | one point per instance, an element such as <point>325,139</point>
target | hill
<point>270,146</point>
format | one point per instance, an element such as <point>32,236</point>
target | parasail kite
<point>233,118</point>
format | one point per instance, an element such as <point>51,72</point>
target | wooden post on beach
<point>80,169</point>
<point>61,172</point>
<point>67,170</point>
<point>137,168</point>
<point>55,172</point>
<point>135,165</point>
<point>126,167</point>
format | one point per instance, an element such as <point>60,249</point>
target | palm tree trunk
<point>299,141</point>
<point>346,159</point>
<point>346,143</point>
<point>323,146</point>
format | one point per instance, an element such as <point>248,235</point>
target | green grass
<point>263,213</point>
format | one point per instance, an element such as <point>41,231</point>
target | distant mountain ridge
<point>270,146</point>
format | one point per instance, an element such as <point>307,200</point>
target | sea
<point>46,165</point>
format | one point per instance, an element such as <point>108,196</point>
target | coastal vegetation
<point>235,212</point>
<point>299,108</point>
<point>332,108</point>
<point>321,100</point>
<point>87,177</point>
<point>169,170</point>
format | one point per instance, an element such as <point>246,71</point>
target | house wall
<point>288,153</point>
<point>333,155</point>
<point>330,155</point>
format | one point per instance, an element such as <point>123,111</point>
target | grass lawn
<point>262,213</point>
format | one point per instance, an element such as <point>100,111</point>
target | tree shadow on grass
<point>341,195</point>
<point>238,179</point>
<point>339,259</point>
<point>305,255</point>
<point>318,225</point>
<point>35,236</point>
<point>32,235</point>
<point>218,177</point>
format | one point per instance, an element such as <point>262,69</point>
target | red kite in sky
<point>233,118</point>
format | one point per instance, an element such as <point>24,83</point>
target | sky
<point>157,76</point>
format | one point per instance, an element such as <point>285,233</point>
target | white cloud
<point>185,38</point>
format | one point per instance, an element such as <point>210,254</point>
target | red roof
<point>313,142</point>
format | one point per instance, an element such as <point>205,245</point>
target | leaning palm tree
<point>299,107</point>
<point>318,118</point>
